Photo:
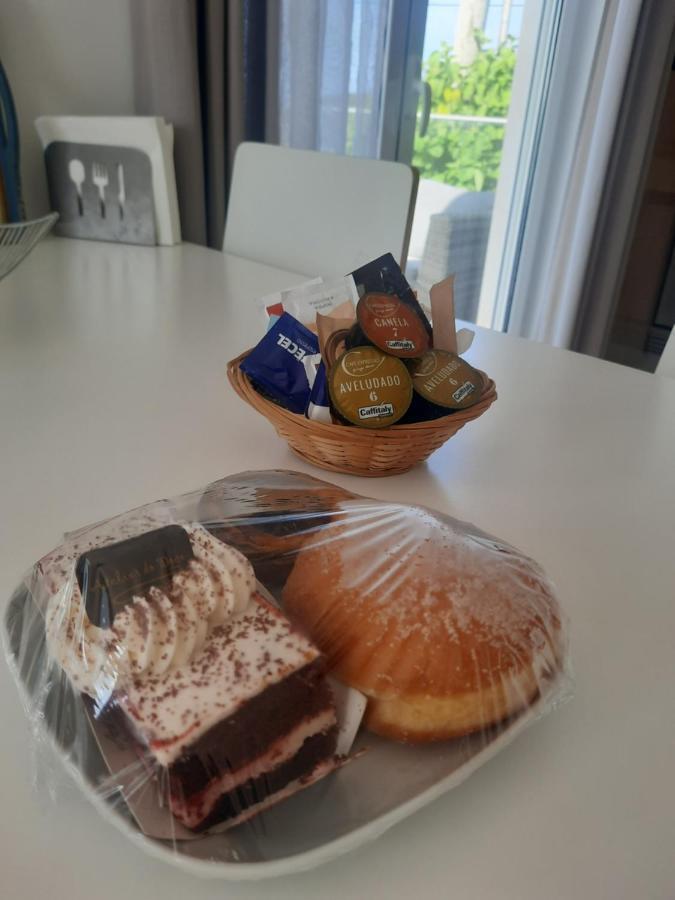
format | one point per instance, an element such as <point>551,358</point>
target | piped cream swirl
<point>158,629</point>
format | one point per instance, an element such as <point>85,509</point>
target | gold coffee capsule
<point>392,325</point>
<point>445,379</point>
<point>369,388</point>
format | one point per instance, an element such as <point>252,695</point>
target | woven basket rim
<point>242,385</point>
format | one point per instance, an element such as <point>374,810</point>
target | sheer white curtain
<point>331,74</point>
<point>575,150</point>
<point>546,289</point>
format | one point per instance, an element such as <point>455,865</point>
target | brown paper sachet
<point>443,314</point>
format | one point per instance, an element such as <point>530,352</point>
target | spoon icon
<point>77,175</point>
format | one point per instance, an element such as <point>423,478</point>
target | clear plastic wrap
<point>254,677</point>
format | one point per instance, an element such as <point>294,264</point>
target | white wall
<point>63,57</point>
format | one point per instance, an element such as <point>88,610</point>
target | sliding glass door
<point>508,110</point>
<point>464,88</point>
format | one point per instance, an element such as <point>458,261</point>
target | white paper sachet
<point>318,407</point>
<point>350,706</point>
<point>271,306</point>
<point>464,339</point>
<point>337,297</point>
<point>311,362</point>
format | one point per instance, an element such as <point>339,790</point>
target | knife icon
<point>121,196</point>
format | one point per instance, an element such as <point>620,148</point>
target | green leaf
<point>464,154</point>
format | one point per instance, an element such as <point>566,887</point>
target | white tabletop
<point>113,393</point>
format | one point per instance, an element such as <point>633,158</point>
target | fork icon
<point>99,175</point>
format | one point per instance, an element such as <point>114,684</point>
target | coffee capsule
<point>368,388</point>
<point>446,380</point>
<point>326,326</point>
<point>384,276</point>
<point>355,338</point>
<point>392,325</point>
<point>335,346</point>
<point>420,410</point>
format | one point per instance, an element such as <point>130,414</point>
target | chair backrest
<point>317,213</point>
<point>456,242</point>
<point>666,364</point>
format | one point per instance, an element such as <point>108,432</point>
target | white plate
<point>343,811</point>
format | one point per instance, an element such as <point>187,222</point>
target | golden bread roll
<point>445,630</point>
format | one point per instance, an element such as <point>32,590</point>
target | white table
<point>113,393</point>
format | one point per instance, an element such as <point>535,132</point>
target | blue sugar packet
<point>318,407</point>
<point>276,363</point>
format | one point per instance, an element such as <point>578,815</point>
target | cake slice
<point>246,717</point>
<point>226,700</point>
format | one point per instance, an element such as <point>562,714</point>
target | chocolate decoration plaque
<point>110,576</point>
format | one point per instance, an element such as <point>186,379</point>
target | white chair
<point>317,213</point>
<point>666,365</point>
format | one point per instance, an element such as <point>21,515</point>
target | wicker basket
<point>358,451</point>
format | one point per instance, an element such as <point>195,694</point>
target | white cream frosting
<point>159,630</point>
<point>254,650</point>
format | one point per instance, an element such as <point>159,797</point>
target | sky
<point>441,18</point>
<point>442,15</point>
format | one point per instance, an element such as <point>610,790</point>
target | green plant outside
<point>460,153</point>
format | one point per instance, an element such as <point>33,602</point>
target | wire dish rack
<point>18,238</point>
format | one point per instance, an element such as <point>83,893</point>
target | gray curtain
<point>210,68</point>
<point>331,70</point>
<point>641,106</point>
